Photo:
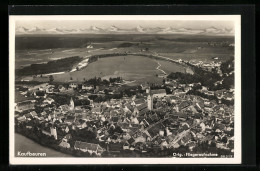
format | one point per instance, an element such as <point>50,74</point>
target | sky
<point>125,24</point>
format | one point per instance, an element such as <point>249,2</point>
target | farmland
<point>129,67</point>
<point>34,49</point>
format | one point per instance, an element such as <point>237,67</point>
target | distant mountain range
<point>116,30</point>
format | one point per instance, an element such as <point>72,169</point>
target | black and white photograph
<point>125,89</point>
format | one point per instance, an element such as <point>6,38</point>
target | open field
<point>42,48</point>
<point>129,67</point>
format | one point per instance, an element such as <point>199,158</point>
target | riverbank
<point>24,144</point>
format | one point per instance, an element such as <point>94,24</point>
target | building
<point>150,102</point>
<point>73,85</point>
<point>25,105</point>
<point>86,87</point>
<point>39,87</point>
<point>54,132</point>
<point>64,144</point>
<point>89,147</point>
<point>158,93</point>
<point>71,104</point>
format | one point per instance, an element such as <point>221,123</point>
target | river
<point>24,144</point>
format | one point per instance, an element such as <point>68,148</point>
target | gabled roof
<point>149,120</point>
<point>39,93</point>
<point>155,129</point>
<point>166,122</point>
<point>131,140</point>
<point>142,106</point>
<point>27,115</point>
<point>139,101</point>
<point>114,119</point>
<point>184,104</point>
<point>154,117</point>
<point>87,146</point>
<point>136,126</point>
<point>33,113</point>
<point>159,91</point>
<point>144,111</point>
<point>124,125</point>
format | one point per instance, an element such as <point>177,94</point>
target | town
<point>186,113</point>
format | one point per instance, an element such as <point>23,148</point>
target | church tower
<point>71,104</point>
<point>150,102</point>
<point>54,132</point>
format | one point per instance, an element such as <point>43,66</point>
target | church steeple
<point>71,104</point>
<point>150,101</point>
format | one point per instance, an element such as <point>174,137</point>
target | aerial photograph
<point>124,88</point>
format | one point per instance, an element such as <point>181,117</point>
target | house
<point>183,105</point>
<point>29,125</point>
<point>39,87</point>
<point>64,144</point>
<point>25,105</point>
<point>89,147</point>
<point>164,144</point>
<point>145,86</point>
<point>141,107</point>
<point>191,145</point>
<point>96,110</point>
<point>130,141</point>
<point>73,85</point>
<point>39,93</point>
<point>43,113</point>
<point>67,137</point>
<point>34,114</point>
<point>28,115</point>
<point>90,46</point>
<point>69,120</point>
<point>166,122</point>
<point>48,100</point>
<point>87,87</point>
<point>155,129</point>
<point>21,119</point>
<point>158,93</point>
<point>61,88</point>
<point>154,117</point>
<point>134,120</point>
<point>64,108</point>
<point>126,146</point>
<point>126,136</point>
<point>50,88</point>
<point>139,101</point>
<point>46,132</point>
<point>114,119</point>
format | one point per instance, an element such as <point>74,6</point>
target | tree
<point>51,78</point>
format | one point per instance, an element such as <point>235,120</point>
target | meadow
<point>141,69</point>
<point>43,48</point>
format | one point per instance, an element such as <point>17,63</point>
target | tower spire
<point>150,101</point>
<point>71,104</point>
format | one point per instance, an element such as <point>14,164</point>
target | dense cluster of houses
<point>208,66</point>
<point>153,120</point>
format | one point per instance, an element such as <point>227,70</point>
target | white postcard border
<point>78,160</point>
